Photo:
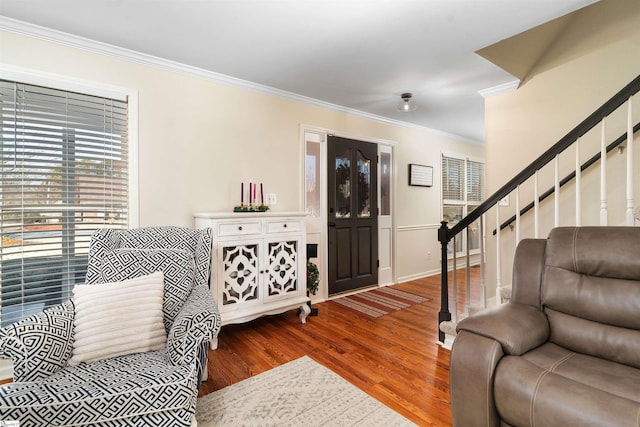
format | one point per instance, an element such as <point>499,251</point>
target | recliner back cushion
<point>591,291</point>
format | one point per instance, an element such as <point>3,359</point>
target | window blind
<point>452,178</point>
<point>63,174</point>
<point>475,181</point>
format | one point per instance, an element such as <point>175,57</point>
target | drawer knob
<point>240,228</point>
<point>285,226</point>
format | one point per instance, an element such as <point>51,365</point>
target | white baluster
<point>483,293</point>
<point>498,263</point>
<point>556,208</point>
<point>578,182</point>
<point>630,200</point>
<point>603,174</point>
<point>517,214</point>
<point>536,206</point>
<point>468,272</point>
<point>455,283</point>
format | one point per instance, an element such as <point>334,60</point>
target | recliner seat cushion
<point>553,386</point>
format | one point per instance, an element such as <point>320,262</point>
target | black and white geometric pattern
<point>194,324</point>
<point>40,344</point>
<point>106,392</point>
<point>176,264</point>
<point>156,388</point>
<point>198,242</point>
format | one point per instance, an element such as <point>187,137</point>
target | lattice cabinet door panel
<point>283,268</point>
<point>239,274</point>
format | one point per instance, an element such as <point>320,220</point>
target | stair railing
<point>446,234</point>
<point>570,177</point>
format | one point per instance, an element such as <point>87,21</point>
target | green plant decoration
<point>313,278</point>
<point>251,208</point>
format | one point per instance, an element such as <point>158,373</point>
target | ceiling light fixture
<point>406,104</point>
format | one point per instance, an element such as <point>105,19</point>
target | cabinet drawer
<point>283,226</point>
<point>239,228</point>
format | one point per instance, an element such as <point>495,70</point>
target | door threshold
<point>354,291</point>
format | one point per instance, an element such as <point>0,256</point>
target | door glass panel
<point>312,179</point>
<point>364,186</point>
<point>385,183</point>
<point>343,185</point>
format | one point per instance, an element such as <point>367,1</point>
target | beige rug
<point>298,393</point>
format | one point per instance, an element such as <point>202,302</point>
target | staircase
<point>598,191</point>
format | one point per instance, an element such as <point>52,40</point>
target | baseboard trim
<point>417,276</point>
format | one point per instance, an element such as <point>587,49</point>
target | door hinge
<point>378,264</point>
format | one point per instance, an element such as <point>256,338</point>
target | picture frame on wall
<point>420,175</point>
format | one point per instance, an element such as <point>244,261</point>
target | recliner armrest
<point>517,327</point>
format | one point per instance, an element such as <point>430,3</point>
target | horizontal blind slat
<point>63,174</point>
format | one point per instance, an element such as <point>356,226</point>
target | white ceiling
<point>358,54</point>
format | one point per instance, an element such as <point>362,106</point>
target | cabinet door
<point>238,274</point>
<point>283,268</point>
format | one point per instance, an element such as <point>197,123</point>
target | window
<point>385,183</point>
<point>463,189</point>
<point>63,174</point>
<point>312,176</point>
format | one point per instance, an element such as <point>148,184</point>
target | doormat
<point>380,301</point>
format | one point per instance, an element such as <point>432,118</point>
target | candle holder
<point>251,208</point>
<point>253,205</point>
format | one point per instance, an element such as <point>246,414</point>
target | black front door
<point>353,214</point>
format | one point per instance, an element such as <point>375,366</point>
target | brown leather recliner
<point>565,351</point>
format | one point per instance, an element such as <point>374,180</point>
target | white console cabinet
<point>259,264</point>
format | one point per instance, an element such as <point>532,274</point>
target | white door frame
<point>317,224</point>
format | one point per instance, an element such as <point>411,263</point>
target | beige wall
<point>593,58</point>
<point>199,138</point>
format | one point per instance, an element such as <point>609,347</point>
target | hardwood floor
<point>394,358</point>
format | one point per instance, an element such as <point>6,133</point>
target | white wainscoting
<point>417,252</point>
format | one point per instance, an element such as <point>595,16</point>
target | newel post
<point>444,315</point>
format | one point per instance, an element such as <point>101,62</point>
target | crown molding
<point>48,34</point>
<point>505,87</point>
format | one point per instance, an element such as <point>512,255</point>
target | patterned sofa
<point>154,388</point>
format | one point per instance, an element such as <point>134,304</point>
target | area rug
<point>380,301</point>
<point>298,393</point>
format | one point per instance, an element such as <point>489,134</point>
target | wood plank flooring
<point>394,358</point>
